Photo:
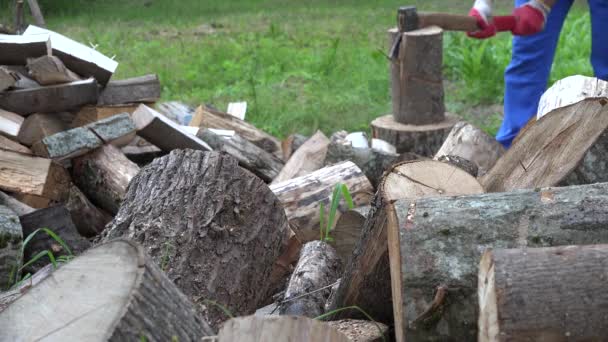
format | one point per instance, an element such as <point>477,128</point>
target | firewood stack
<point>176,218</point>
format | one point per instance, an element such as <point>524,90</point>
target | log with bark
<point>310,284</point>
<point>11,241</point>
<point>461,163</point>
<point>39,126</point>
<point>366,281</point>
<point>90,114</point>
<point>436,244</point>
<point>250,156</point>
<point>49,70</point>
<point>104,176</point>
<point>139,302</point>
<point>566,147</point>
<point>214,228</point>
<point>88,219</point>
<point>471,143</point>
<point>306,159</point>
<point>571,90</point>
<point>302,197</point>
<point>118,130</point>
<point>542,294</point>
<point>132,90</point>
<point>10,124</point>
<point>16,49</point>
<point>361,331</point>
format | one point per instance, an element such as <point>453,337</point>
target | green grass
<point>301,65</point>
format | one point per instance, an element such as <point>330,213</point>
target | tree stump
<point>139,302</point>
<point>11,240</point>
<point>212,226</point>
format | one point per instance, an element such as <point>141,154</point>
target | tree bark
<point>88,219</point>
<point>302,197</point>
<point>306,159</point>
<point>104,176</point>
<point>11,241</point>
<point>569,91</point>
<point>366,281</point>
<point>471,143</point>
<point>319,267</point>
<point>49,70</point>
<point>361,331</point>
<point>424,140</point>
<point>438,242</point>
<point>214,228</point>
<point>461,163</point>
<point>416,77</point>
<point>562,148</point>
<point>139,302</point>
<point>132,90</point>
<point>67,144</point>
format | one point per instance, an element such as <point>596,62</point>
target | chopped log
<point>67,144</point>
<point>36,13</point>
<point>461,163</point>
<point>16,49</point>
<point>366,281</point>
<point>310,284</point>
<point>49,70</point>
<point>81,59</point>
<point>416,77</point>
<point>210,118</point>
<point>249,156</point>
<point>278,328</point>
<point>118,130</point>
<point>6,298</point>
<point>132,90</point>
<point>10,124</point>
<point>439,242</point>
<point>104,176</point>
<point>238,237</point>
<point>424,140</point>
<point>471,143</point>
<point>90,114</point>
<point>566,147</point>
<point>20,74</point>
<point>8,144</point>
<point>308,158</point>
<point>11,240</point>
<point>542,294</point>
<point>162,132</point>
<point>176,111</point>
<point>26,174</point>
<point>18,207</point>
<point>37,202</point>
<point>141,152</point>
<point>7,79</point>
<point>59,221</point>
<point>88,219</point>
<point>48,99</point>
<point>302,197</point>
<point>347,231</point>
<point>569,91</point>
<point>291,144</point>
<point>361,331</point>
<point>138,301</point>
<point>39,126</point>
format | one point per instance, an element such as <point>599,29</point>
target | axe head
<point>407,20</point>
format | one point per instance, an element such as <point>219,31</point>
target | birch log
<point>570,90</point>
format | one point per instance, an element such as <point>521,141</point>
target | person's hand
<point>530,18</point>
<point>482,12</point>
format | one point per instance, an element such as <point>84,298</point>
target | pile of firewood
<point>181,218</point>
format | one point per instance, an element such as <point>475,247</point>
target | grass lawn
<point>300,65</point>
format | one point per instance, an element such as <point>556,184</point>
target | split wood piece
<point>16,49</point>
<point>18,207</point>
<point>361,331</point>
<point>58,220</point>
<point>162,132</point>
<point>88,219</point>
<point>249,156</point>
<point>210,118</point>
<point>461,163</point>
<point>141,151</point>
<point>138,300</point>
<point>10,124</point>
<point>50,99</point>
<point>278,328</point>
<point>81,59</point>
<point>319,267</point>
<point>284,264</point>
<point>424,140</point>
<point>565,147</point>
<point>291,144</point>
<point>49,70</point>
<point>302,197</point>
<point>37,202</point>
<point>437,242</point>
<point>11,241</point>
<point>68,144</point>
<point>21,173</point>
<point>543,294</point>
<point>22,81</point>
<point>118,130</point>
<point>39,126</point>
<point>416,77</point>
<point>17,291</point>
<point>36,13</point>
<point>347,231</point>
<point>571,90</point>
<point>104,176</point>
<point>239,235</point>
<point>7,79</point>
<point>8,144</point>
<point>90,114</point>
<point>366,281</point>
<point>308,158</point>
<point>132,90</point>
<point>471,143</point>
<point>176,111</point>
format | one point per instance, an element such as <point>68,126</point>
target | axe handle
<point>455,22</point>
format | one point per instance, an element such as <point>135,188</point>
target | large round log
<point>214,227</point>
<point>110,293</point>
<point>543,294</point>
<point>366,281</point>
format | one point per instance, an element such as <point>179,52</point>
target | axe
<point>409,19</point>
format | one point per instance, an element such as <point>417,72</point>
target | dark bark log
<point>49,70</point>
<point>214,228</point>
<point>308,158</point>
<point>132,90</point>
<point>39,126</point>
<point>139,302</point>
<point>11,240</point>
<point>361,331</point>
<point>88,219</point>
<point>319,267</point>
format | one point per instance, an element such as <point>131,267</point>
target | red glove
<point>486,28</point>
<point>530,18</point>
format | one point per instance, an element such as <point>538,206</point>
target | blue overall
<point>527,75</point>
